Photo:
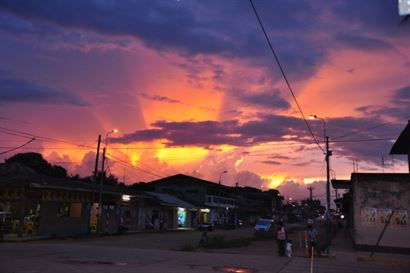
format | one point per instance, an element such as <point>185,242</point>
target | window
<point>63,210</point>
<point>72,210</point>
<point>75,210</point>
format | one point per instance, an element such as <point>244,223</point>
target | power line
<point>368,128</point>
<point>16,148</point>
<point>132,166</point>
<point>13,134</point>
<point>46,139</point>
<point>364,140</point>
<point>284,76</point>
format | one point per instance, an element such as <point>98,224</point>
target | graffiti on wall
<point>381,216</point>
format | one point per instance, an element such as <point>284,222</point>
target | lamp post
<point>100,203</point>
<point>328,153</point>
<point>220,176</point>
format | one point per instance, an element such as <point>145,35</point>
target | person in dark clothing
<point>312,235</point>
<point>281,238</point>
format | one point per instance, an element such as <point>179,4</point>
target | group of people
<point>285,244</point>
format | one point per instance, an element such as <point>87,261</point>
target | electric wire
<point>368,128</point>
<point>26,134</point>
<point>132,166</point>
<point>16,148</point>
<point>284,76</point>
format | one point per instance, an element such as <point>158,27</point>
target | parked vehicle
<point>265,228</point>
<point>264,225</point>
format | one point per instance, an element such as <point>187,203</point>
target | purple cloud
<point>158,98</point>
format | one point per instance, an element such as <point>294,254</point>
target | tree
<point>39,164</point>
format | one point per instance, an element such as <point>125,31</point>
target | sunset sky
<point>192,86</point>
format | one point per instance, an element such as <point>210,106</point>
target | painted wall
<point>373,200</point>
<point>52,224</point>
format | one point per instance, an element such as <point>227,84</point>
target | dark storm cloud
<point>226,28</point>
<point>14,90</point>
<point>158,98</point>
<point>231,132</point>
<point>269,128</point>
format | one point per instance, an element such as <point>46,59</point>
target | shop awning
<point>172,200</point>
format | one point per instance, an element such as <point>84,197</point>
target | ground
<point>156,252</point>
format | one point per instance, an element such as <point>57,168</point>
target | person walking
<point>281,238</point>
<point>312,235</point>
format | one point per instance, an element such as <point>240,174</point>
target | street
<point>152,253</point>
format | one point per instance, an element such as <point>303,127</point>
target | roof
<point>182,178</point>
<point>402,144</point>
<point>388,177</point>
<point>170,200</point>
<point>20,175</point>
<point>341,184</point>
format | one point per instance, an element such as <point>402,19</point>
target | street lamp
<point>314,117</point>
<point>102,180</point>
<point>220,176</point>
<point>328,153</point>
<point>106,136</point>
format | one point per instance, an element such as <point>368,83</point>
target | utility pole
<point>95,177</point>
<point>328,154</point>
<point>310,192</point>
<point>100,199</point>
<point>96,167</point>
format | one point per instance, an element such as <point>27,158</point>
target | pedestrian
<point>204,239</point>
<point>161,222</point>
<point>289,248</point>
<point>281,238</point>
<point>312,235</point>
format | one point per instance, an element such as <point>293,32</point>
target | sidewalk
<point>15,238</point>
<point>343,258</point>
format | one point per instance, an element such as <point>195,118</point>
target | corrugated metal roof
<point>173,200</point>
<point>402,144</point>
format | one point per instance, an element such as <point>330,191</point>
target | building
<point>41,205</point>
<point>216,203</point>
<point>377,205</point>
<point>219,204</point>
<point>379,201</point>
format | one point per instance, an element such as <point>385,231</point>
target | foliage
<point>39,164</point>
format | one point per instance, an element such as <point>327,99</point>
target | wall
<point>374,196</point>
<point>51,224</point>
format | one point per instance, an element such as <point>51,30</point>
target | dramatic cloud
<point>15,90</point>
<point>250,179</point>
<point>299,191</point>
<point>270,162</point>
<point>348,132</point>
<point>362,42</point>
<point>207,133</point>
<point>194,27</point>
<point>398,108</point>
<point>270,99</point>
<point>158,98</point>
